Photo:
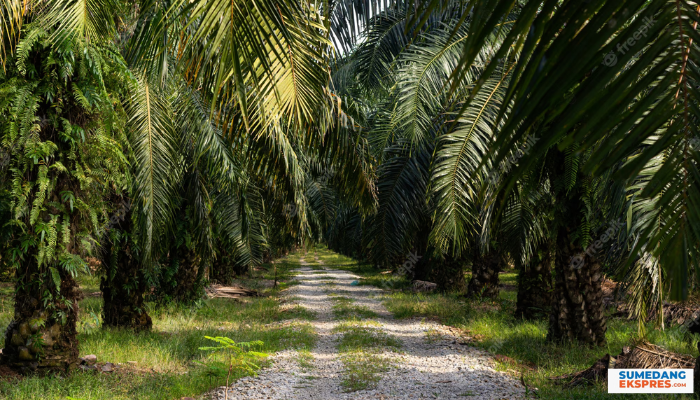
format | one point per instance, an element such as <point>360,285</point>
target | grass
<point>492,325</point>
<point>168,362</point>
<point>305,360</point>
<point>363,335</point>
<point>496,330</point>
<point>450,309</point>
<point>359,349</point>
<point>432,335</point>
<point>362,370</point>
<point>344,309</point>
<point>361,342</point>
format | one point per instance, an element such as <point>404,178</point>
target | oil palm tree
<point>626,97</point>
<point>62,126</point>
<point>431,197</point>
<point>252,93</point>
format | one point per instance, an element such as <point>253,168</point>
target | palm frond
<point>457,180</point>
<point>12,13</point>
<point>90,20</point>
<point>154,143</point>
<point>633,77</point>
<point>402,186</point>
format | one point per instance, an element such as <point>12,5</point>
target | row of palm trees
<point>550,135</point>
<point>164,138</point>
<point>469,132</point>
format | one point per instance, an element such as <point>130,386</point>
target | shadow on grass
<point>164,365</point>
<point>167,363</point>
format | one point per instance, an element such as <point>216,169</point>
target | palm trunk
<point>42,336</point>
<point>535,285</point>
<point>484,281</point>
<point>696,376</point>
<point>224,270</point>
<point>123,286</point>
<point>577,305</point>
<point>186,285</point>
<point>449,275</point>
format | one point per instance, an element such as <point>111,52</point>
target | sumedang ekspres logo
<point>650,381</point>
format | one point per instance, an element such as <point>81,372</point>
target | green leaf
<point>56,278</point>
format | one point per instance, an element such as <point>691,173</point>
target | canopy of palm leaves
<point>391,126</point>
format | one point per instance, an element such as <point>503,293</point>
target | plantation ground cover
<point>167,363</point>
<point>493,327</point>
<point>363,353</point>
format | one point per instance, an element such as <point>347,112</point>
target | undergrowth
<point>167,363</point>
<point>491,326</point>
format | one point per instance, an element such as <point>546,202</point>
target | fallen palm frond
<point>642,355</point>
<point>674,313</point>
<point>229,292</point>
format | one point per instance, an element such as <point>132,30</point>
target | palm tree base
<point>484,281</point>
<point>38,341</point>
<point>124,299</point>
<point>577,305</point>
<point>535,287</point>
<point>449,275</point>
<point>186,284</point>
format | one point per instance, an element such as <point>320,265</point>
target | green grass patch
<point>298,312</point>
<point>498,332</point>
<point>333,260</point>
<point>359,336</point>
<point>166,363</point>
<point>359,346</point>
<point>305,360</point>
<point>385,281</point>
<point>362,370</point>
<point>349,311</point>
<point>451,309</point>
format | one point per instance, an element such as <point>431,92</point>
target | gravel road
<point>426,365</point>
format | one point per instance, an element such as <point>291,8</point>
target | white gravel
<point>422,369</point>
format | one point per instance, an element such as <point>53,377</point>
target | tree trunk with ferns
<point>65,157</point>
<point>42,336</point>
<point>577,310</point>
<point>123,285</point>
<point>535,284</point>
